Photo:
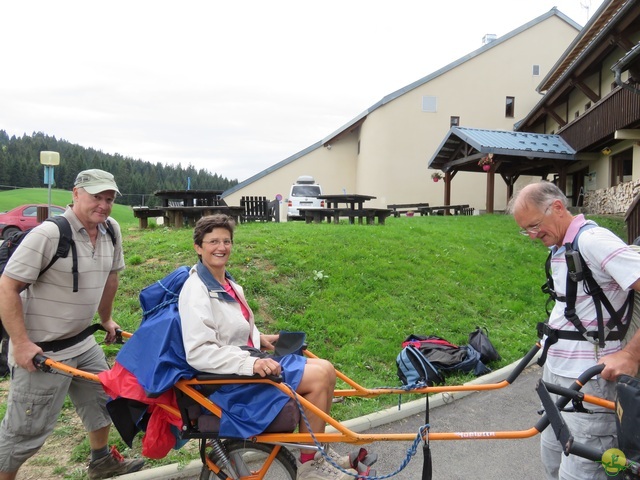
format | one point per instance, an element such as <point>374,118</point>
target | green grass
<point>359,290</point>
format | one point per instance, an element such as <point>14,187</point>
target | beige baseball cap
<point>96,181</point>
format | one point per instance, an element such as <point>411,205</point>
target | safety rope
<point>411,451</point>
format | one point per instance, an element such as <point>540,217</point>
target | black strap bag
<point>479,340</point>
<point>628,416</point>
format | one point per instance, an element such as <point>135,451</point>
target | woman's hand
<point>266,366</point>
<point>267,342</point>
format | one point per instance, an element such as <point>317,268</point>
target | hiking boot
<point>113,465</point>
<point>320,469</point>
<point>359,460</point>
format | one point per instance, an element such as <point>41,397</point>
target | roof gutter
<point>627,63</point>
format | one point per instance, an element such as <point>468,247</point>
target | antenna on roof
<point>586,4</point>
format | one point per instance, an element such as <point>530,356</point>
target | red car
<point>23,218</point>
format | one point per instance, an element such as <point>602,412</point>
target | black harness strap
<point>57,345</point>
<point>619,319</point>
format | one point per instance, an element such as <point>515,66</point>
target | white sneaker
<point>359,460</point>
<point>320,469</point>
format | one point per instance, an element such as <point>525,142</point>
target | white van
<point>304,194</point>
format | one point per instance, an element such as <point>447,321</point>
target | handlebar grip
<point>523,363</point>
<point>576,385</point>
<point>587,375</point>
<point>39,361</point>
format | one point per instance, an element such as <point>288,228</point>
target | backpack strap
<point>111,231</point>
<point>578,271</point>
<point>548,287</point>
<point>65,244</point>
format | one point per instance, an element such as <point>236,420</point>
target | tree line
<point>137,179</point>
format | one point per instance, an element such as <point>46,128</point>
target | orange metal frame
<point>342,434</point>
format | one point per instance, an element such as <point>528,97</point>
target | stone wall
<point>613,200</point>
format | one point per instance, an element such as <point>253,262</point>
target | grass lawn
<point>359,290</point>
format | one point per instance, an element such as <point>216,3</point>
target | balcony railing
<point>620,109</point>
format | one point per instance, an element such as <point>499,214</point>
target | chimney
<point>488,38</point>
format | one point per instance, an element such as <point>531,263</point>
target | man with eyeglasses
<point>541,212</point>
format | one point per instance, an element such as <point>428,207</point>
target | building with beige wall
<point>384,150</point>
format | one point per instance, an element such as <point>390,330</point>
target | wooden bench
<point>370,215</point>
<point>445,209</point>
<point>400,208</point>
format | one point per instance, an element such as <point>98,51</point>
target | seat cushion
<point>286,421</point>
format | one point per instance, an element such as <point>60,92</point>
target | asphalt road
<point>511,408</point>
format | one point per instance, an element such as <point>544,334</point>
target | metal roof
<point>514,152</point>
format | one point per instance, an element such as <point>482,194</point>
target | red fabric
<point>158,439</point>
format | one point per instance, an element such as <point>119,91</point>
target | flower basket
<point>486,162</point>
<point>436,176</point>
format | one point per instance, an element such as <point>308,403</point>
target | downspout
<point>626,63</point>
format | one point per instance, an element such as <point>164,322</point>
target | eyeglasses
<point>533,230</point>
<point>215,243</point>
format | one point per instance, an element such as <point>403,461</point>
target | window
<point>510,108</point>
<point>30,211</point>
<point>429,104</point>
<point>577,114</point>
<point>587,106</point>
<point>621,167</point>
<point>454,122</point>
<point>536,70</point>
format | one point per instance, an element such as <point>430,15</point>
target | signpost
<point>49,160</point>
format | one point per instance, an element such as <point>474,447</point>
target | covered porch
<point>505,153</point>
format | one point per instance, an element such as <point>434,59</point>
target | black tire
<point>254,454</point>
<point>8,231</point>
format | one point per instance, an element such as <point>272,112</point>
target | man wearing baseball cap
<point>96,181</point>
<point>43,315</point>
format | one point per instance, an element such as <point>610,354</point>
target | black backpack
<point>447,357</point>
<point>65,244</point>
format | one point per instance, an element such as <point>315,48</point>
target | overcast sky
<point>229,86</point>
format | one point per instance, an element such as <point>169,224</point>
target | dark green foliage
<point>137,179</point>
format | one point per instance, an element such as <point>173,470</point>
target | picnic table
<point>190,198</point>
<point>353,208</point>
<point>180,206</point>
<point>446,209</point>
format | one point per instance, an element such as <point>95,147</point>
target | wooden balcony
<point>620,109</point>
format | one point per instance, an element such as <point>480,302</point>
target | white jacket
<point>213,327</point>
